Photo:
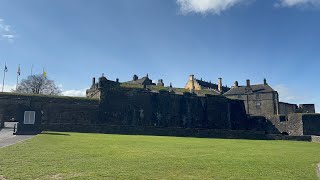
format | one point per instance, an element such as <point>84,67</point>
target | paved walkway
<point>7,138</point>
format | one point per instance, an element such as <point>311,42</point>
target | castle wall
<point>1,119</point>
<point>49,110</point>
<point>311,124</point>
<point>307,108</point>
<point>286,108</point>
<point>295,125</point>
<point>142,108</point>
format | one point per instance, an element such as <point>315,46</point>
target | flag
<point>19,70</point>
<point>5,68</point>
<point>44,73</point>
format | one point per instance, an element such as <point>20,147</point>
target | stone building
<point>194,84</point>
<point>145,81</point>
<point>263,100</point>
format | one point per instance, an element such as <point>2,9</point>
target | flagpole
<point>18,74</point>
<point>4,76</point>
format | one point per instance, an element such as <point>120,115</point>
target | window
<point>283,118</point>
<point>258,96</point>
<point>29,117</point>
<point>258,105</point>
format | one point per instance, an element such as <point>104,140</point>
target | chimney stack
<point>93,81</point>
<point>265,81</point>
<point>248,83</point>
<point>220,85</point>
<point>191,78</point>
<point>135,77</point>
<point>236,84</point>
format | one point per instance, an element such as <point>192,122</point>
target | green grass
<point>98,156</point>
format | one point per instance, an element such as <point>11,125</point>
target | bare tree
<point>38,84</point>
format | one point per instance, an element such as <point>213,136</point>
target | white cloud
<point>74,93</point>
<point>296,3</point>
<point>207,6</point>
<point>6,32</point>
<point>8,87</point>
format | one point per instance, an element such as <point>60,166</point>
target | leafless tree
<point>38,84</point>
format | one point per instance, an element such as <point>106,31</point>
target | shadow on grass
<point>55,134</point>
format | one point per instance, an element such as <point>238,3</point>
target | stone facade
<point>194,84</point>
<point>259,100</point>
<point>263,100</point>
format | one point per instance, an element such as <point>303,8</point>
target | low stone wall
<point>315,139</point>
<point>178,132</point>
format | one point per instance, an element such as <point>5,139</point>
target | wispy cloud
<point>298,3</point>
<point>287,95</point>
<point>290,96</point>
<point>207,6</point>
<point>6,32</point>
<point>74,93</point>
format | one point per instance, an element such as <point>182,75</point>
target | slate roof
<point>259,88</point>
<point>141,81</point>
<point>205,84</point>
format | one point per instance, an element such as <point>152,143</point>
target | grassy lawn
<point>98,156</point>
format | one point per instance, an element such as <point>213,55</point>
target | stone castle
<point>140,106</point>
<point>257,101</point>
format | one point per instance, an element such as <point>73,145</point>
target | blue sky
<point>76,40</point>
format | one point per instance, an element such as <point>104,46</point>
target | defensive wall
<point>48,110</point>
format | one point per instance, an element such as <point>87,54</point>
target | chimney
<point>117,80</point>
<point>236,84</point>
<point>93,81</point>
<point>248,83</point>
<point>191,78</point>
<point>265,81</point>
<point>220,85</point>
<point>135,77</point>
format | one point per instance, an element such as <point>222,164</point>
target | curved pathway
<point>7,138</point>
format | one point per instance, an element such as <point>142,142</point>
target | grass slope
<point>99,156</point>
